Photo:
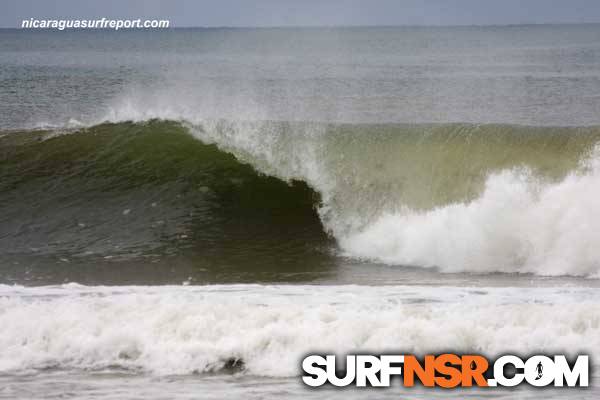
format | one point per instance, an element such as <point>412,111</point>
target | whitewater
<point>265,330</point>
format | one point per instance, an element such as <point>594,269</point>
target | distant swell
<point>456,197</point>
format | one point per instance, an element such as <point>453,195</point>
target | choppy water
<point>449,175</point>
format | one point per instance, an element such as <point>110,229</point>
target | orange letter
<point>473,368</point>
<point>453,374</point>
<point>412,366</point>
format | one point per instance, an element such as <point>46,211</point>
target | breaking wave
<point>456,197</point>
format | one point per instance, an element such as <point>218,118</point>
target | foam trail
<point>180,330</point>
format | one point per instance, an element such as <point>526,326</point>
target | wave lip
<point>183,330</point>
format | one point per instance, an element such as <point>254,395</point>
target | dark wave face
<point>147,195</point>
<point>252,201</point>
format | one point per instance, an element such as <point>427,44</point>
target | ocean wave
<point>458,197</point>
<point>266,330</point>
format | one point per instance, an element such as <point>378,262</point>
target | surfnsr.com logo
<point>445,371</point>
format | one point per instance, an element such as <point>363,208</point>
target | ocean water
<point>187,213</point>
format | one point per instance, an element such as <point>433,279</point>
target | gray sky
<point>309,12</point>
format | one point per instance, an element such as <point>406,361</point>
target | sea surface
<point>186,213</point>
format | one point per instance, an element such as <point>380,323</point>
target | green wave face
<point>387,168</point>
<point>428,166</point>
<point>272,196</point>
<point>145,193</point>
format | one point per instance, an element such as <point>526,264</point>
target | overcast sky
<point>309,12</point>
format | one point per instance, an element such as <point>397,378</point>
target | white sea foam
<point>185,329</point>
<point>516,225</point>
